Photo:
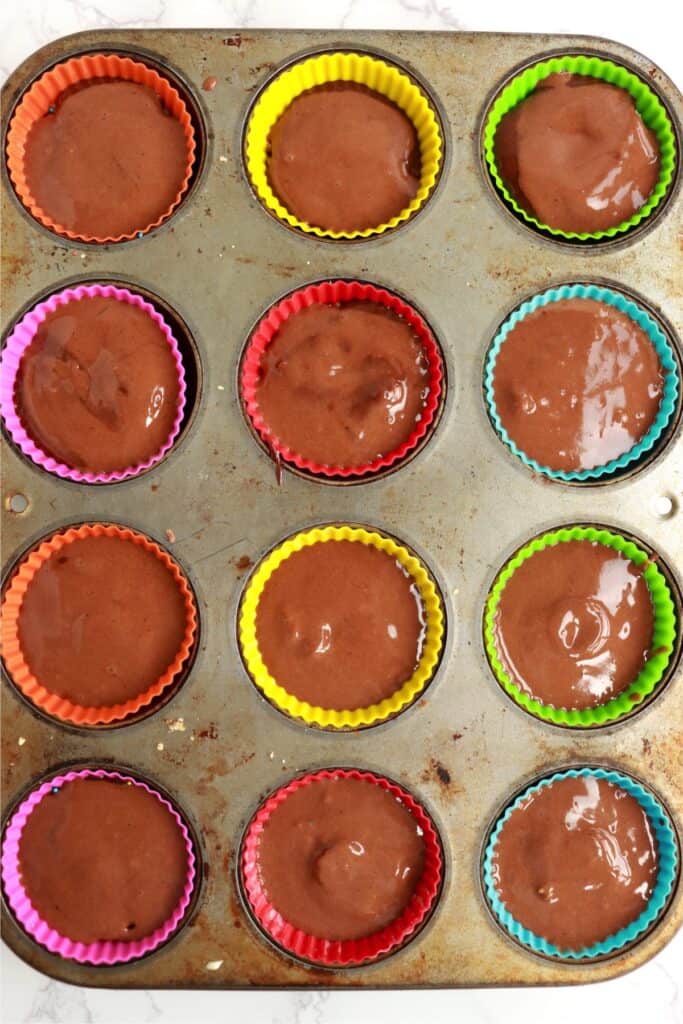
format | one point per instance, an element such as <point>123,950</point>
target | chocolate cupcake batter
<point>109,161</point>
<point>576,862</point>
<point>340,858</point>
<point>340,624</point>
<point>574,625</point>
<point>343,385</point>
<point>577,155</point>
<point>102,861</point>
<point>577,383</point>
<point>97,387</point>
<point>101,621</point>
<point>344,158</point>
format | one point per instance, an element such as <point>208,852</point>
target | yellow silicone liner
<point>351,718</point>
<point>341,67</point>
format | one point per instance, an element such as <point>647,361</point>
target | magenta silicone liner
<point>98,953</point>
<point>17,343</point>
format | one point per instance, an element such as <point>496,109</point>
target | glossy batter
<point>577,155</point>
<point>97,387</point>
<point>577,383</point>
<point>340,624</point>
<point>344,158</point>
<point>102,860</point>
<point>101,621</point>
<point>576,862</point>
<point>109,161</point>
<point>340,858</point>
<point>574,625</point>
<point>343,384</point>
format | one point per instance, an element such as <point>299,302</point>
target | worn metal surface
<point>463,503</point>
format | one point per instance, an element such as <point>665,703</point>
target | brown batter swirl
<point>577,155</point>
<point>574,625</point>
<point>577,383</point>
<point>101,621</point>
<point>340,858</point>
<point>576,861</point>
<point>109,161</point>
<point>344,158</point>
<point>342,385</point>
<point>340,624</point>
<point>102,860</point>
<point>97,387</point>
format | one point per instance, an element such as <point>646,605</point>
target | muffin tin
<point>463,503</point>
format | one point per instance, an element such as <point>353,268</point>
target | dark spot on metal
<point>443,775</point>
<point>210,83</point>
<point>206,869</point>
<point>457,736</point>
<point>647,746</point>
<point>243,562</point>
<point>209,734</point>
<point>233,41</point>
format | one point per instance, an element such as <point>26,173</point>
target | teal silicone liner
<point>667,851</point>
<point>662,347</point>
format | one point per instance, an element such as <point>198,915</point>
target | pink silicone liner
<point>17,343</point>
<point>326,293</point>
<point>91,952</point>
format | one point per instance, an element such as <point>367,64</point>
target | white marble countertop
<point>650,994</point>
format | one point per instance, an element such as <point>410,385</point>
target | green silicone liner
<point>647,103</point>
<point>667,406</point>
<point>663,639</point>
<point>667,852</point>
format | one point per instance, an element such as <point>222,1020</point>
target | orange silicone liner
<point>16,664</point>
<point>341,952</point>
<point>326,293</point>
<point>43,94</point>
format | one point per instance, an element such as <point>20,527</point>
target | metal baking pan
<point>463,503</point>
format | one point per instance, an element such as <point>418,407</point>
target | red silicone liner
<point>326,293</point>
<point>338,952</point>
<point>109,952</point>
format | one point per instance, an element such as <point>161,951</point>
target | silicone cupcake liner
<point>341,952</point>
<point>347,67</point>
<point>663,639</point>
<point>16,664</point>
<point>667,852</point>
<point>21,338</point>
<point>350,718</point>
<point>647,104</point>
<point>98,953</point>
<point>338,292</point>
<point>661,345</point>
<point>37,101</point>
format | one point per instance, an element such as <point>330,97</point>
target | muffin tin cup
<point>664,352</point>
<point>647,103</point>
<point>667,851</point>
<point>663,638</point>
<point>43,94</point>
<point>98,953</point>
<point>362,69</point>
<point>341,952</point>
<point>350,718</point>
<point>19,341</point>
<point>14,658</point>
<point>330,292</point>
